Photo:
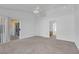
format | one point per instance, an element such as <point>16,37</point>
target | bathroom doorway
<point>52,29</point>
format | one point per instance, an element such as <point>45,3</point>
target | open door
<point>14,29</point>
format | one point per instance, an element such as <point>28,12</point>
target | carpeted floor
<point>38,45</point>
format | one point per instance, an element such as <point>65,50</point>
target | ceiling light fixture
<point>36,11</point>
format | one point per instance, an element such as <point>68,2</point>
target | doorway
<point>17,29</point>
<point>14,27</point>
<point>1,29</point>
<point>52,29</point>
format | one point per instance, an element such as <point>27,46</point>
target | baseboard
<point>44,36</point>
<point>77,45</point>
<point>64,39</point>
<point>78,48</point>
<point>27,37</point>
<point>33,36</point>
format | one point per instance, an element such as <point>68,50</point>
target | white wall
<point>26,19</point>
<point>37,27</point>
<point>76,14</point>
<point>27,26</point>
<point>65,28</point>
<point>42,28</point>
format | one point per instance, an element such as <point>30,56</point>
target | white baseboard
<point>45,36</point>
<point>77,45</point>
<point>64,39</point>
<point>27,37</point>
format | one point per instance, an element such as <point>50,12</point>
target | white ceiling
<point>30,7</point>
<point>43,7</point>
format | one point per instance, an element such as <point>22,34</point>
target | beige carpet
<point>38,45</point>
